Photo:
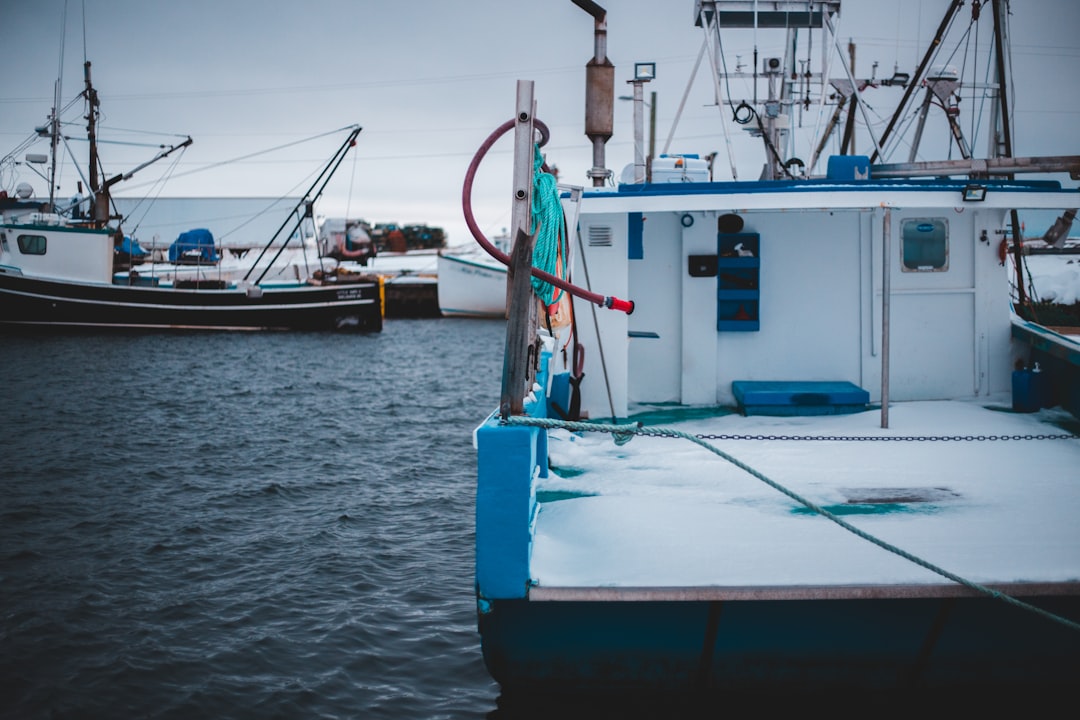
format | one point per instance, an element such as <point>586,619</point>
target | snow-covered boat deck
<point>667,513</point>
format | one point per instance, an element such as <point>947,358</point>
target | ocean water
<point>243,525</point>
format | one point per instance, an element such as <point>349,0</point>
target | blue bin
<point>1026,397</point>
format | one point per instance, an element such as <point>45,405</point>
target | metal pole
<point>639,133</point>
<point>886,289</point>
<point>519,330</point>
<point>652,137</point>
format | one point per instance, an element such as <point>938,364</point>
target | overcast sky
<point>429,79</point>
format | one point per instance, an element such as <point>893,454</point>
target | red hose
<point>614,303</point>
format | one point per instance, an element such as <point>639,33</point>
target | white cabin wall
<point>606,354</point>
<point>80,255</point>
<point>810,327</point>
<point>699,336</point>
<point>654,363</point>
<point>820,306</point>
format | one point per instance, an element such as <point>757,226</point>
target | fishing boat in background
<point>472,283</point>
<point>796,438</point>
<point>73,266</point>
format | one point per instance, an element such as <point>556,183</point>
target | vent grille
<point>600,236</point>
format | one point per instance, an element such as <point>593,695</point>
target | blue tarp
<point>130,246</point>
<point>194,246</point>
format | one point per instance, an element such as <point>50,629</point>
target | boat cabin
<point>804,281</point>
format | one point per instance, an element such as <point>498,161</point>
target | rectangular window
<point>925,245</point>
<point>32,244</point>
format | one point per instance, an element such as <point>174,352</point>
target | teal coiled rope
<point>549,227</point>
<point>624,433</point>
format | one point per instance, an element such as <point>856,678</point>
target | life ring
<point>1003,251</point>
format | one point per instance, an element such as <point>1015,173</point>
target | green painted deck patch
<point>868,509</point>
<point>550,496</point>
<point>885,501</point>
<point>669,414</point>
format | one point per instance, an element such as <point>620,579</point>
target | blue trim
<point>818,184</point>
<point>635,249</point>
<point>505,506</point>
<point>509,461</point>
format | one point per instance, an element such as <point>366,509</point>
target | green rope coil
<point>548,225</point>
<point>623,434</point>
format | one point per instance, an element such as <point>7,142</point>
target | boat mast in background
<point>101,204</point>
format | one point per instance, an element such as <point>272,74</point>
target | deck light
<point>974,193</point>
<point>644,71</point>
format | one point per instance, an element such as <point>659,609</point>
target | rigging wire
<point>241,158</point>
<point>352,182</point>
<point>149,200</point>
<point>716,82</point>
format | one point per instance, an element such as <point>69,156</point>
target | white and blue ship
<point>796,435</point>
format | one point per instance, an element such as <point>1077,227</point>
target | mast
<point>54,120</point>
<point>1006,140</point>
<point>99,210</point>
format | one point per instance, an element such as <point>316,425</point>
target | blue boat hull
<point>780,646</point>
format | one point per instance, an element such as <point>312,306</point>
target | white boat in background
<point>472,283</point>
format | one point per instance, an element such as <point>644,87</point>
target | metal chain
<point>881,438</point>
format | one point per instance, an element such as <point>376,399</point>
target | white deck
<point>668,513</point>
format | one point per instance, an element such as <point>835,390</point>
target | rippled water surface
<point>243,525</point>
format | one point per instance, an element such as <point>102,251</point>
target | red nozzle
<point>627,306</point>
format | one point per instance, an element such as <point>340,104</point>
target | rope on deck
<point>624,433</point>
<point>549,227</point>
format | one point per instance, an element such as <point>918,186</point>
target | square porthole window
<point>924,245</point>
<point>32,244</point>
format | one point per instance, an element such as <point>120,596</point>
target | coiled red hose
<point>613,303</point>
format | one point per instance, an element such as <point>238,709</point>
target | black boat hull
<point>32,302</point>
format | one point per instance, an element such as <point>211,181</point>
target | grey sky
<point>428,80</point>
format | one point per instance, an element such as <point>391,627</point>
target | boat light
<point>974,193</point>
<point>644,71</point>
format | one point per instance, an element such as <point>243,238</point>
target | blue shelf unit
<point>738,276</point>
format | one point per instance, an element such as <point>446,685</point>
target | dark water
<point>243,525</point>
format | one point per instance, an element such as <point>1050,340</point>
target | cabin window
<point>32,244</point>
<point>925,244</point>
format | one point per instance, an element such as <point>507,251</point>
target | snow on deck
<point>661,512</point>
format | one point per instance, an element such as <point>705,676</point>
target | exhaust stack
<point>599,93</point>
